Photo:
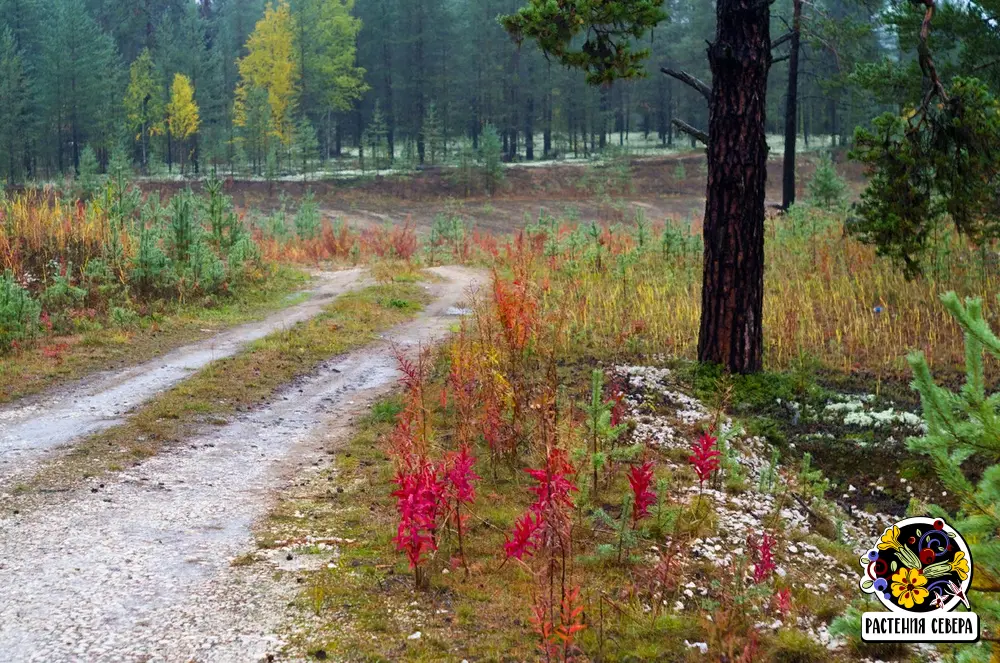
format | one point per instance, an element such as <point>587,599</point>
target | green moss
<point>790,646</point>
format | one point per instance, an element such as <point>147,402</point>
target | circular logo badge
<point>918,565</point>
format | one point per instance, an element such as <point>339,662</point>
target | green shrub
<point>308,219</point>
<point>88,181</point>
<point>204,269</point>
<point>58,299</point>
<point>848,627</point>
<point>491,158</point>
<point>151,272</point>
<point>227,229</point>
<point>680,172</point>
<point>241,254</point>
<point>791,646</point>
<point>448,232</point>
<point>827,188</point>
<point>183,225</point>
<point>18,312</point>
<point>124,318</point>
<point>62,295</point>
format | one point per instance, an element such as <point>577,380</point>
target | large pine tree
<point>740,58</point>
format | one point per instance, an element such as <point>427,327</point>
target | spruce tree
<point>433,135</point>
<point>491,158</point>
<point>965,426</point>
<point>826,188</point>
<point>377,142</point>
<point>78,67</point>
<point>305,145</point>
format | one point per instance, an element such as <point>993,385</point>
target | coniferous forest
<point>243,86</point>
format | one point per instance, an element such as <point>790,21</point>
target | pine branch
<point>695,133</point>
<point>700,86</point>
<point>781,40</point>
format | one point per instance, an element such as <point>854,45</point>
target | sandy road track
<point>140,570</point>
<point>36,425</point>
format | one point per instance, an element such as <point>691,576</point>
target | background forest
<point>235,85</point>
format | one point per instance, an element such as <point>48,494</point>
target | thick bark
<point>733,292</point>
<point>791,109</point>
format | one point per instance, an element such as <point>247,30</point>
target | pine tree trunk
<point>529,129</point>
<point>733,292</point>
<point>547,133</point>
<point>603,120</point>
<point>421,81</point>
<point>791,110</point>
<point>834,128</point>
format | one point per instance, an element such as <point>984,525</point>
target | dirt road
<point>31,428</point>
<point>141,570</point>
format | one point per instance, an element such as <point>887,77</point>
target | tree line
<point>244,84</point>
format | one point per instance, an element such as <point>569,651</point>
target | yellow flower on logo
<point>908,586</point>
<point>960,565</point>
<point>890,539</point>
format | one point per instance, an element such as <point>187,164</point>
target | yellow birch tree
<point>182,113</point>
<point>270,64</point>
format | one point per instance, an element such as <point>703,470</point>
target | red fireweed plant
<point>420,494</point>
<point>463,386</point>
<point>546,528</point>
<point>764,565</point>
<point>640,478</point>
<point>705,458</point>
<point>460,491</point>
<point>618,409</point>
<point>418,500</point>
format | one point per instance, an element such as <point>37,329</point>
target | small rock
<point>702,647</point>
<point>414,636</point>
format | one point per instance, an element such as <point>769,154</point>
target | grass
<point>829,300</point>
<point>37,368</point>
<point>235,384</point>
